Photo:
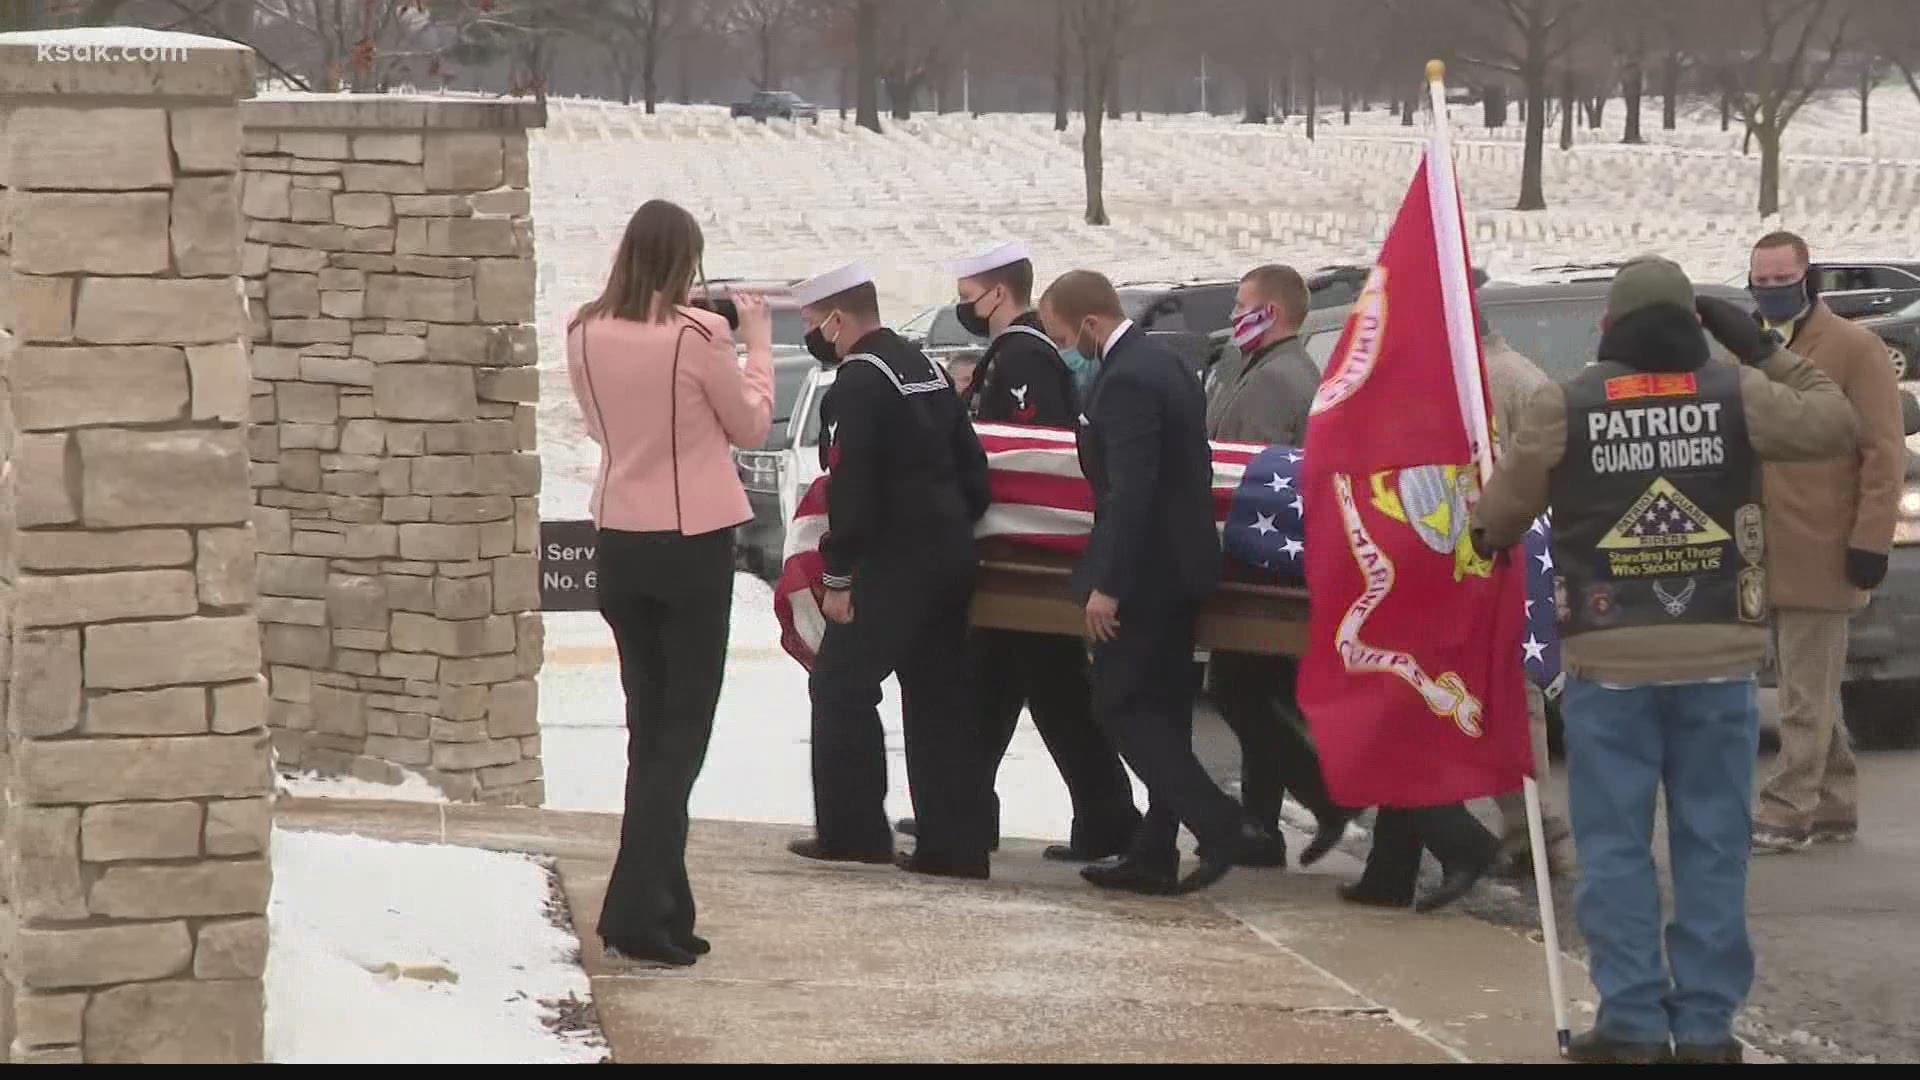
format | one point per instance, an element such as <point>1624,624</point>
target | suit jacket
<point>1143,448</point>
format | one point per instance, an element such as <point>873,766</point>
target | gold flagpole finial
<point>1436,71</point>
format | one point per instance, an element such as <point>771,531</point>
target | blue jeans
<point>1700,741</point>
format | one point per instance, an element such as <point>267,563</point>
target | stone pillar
<point>135,845</point>
<point>389,259</point>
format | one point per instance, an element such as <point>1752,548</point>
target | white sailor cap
<point>832,283</point>
<point>993,258</point>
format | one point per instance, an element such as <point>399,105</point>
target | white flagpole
<point>1462,339</point>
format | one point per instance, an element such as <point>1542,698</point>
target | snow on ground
<point>313,786</point>
<point>1189,196</point>
<point>759,765</point>
<point>345,907</point>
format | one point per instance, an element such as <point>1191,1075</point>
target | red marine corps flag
<point>1413,683</point>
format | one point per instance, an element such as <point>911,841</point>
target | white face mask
<point>1249,327</point>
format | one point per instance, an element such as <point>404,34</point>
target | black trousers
<point>668,599</point>
<point>1256,696</point>
<point>1047,674</point>
<point>1451,832</point>
<point>910,620</point>
<point>1143,691</point>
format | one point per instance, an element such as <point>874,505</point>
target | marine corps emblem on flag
<point>1447,694</point>
<point>1436,501</point>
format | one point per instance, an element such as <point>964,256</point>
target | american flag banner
<point>1041,499</point>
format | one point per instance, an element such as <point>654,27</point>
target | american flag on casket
<point>1040,498</point>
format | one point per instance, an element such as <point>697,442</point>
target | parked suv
<point>1883,296</point>
<point>784,104</point>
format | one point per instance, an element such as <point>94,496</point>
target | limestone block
<point>516,384</point>
<point>526,524</point>
<point>88,233</point>
<point>309,331</point>
<point>275,362</point>
<point>207,233</point>
<point>86,149</point>
<point>516,160</point>
<point>314,144</point>
<point>470,236</point>
<point>396,296</point>
<point>186,311</point>
<point>424,392</point>
<point>311,205</point>
<point>231,949</point>
<point>464,161</point>
<point>240,707</point>
<point>42,309</point>
<point>267,195</point>
<point>176,710</point>
<point>516,346</point>
<point>504,289</point>
<point>339,370</point>
<point>394,179</point>
<point>273,530</point>
<point>439,542</point>
<point>43,695</point>
<point>163,477</point>
<point>238,826</point>
<point>316,239</point>
<point>293,295</point>
<point>218,375</point>
<point>135,655</point>
<point>206,139</point>
<point>207,888</point>
<point>459,344</point>
<point>73,386</point>
<point>70,599</point>
<point>502,776</point>
<point>343,305</point>
<point>385,147</point>
<point>225,569</point>
<point>363,210</point>
<point>339,712</point>
<point>531,633</point>
<point>475,755</point>
<point>516,583</point>
<point>478,671</point>
<point>102,955</point>
<point>181,1022</point>
<point>48,1020</point>
<point>308,403</point>
<point>370,541</point>
<point>508,474</point>
<point>355,601</point>
<point>290,611</point>
<point>145,830</point>
<point>505,202</point>
<point>300,470</point>
<point>255,259</point>
<point>496,539</point>
<point>297,259</point>
<point>370,240</point>
<point>514,709</point>
<point>433,266</point>
<point>46,877</point>
<point>133,548</point>
<point>44,472</point>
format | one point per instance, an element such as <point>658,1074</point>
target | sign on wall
<point>567,573</point>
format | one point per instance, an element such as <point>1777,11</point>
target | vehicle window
<point>1206,309</point>
<point>1333,293</point>
<point>1845,278</point>
<point>1320,346</point>
<point>1886,277</point>
<point>947,332</point>
<point>1160,311</point>
<point>1560,336</point>
<point>789,327</point>
<point>788,379</point>
<point>920,324</point>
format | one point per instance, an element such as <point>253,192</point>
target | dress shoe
<point>1454,884</point>
<point>1071,853</point>
<point>1264,854</point>
<point>1722,1053</point>
<point>643,950</point>
<point>907,826</point>
<point>809,847</point>
<point>694,944</point>
<point>1332,829</point>
<point>1358,893</point>
<point>1593,1048</point>
<point>1214,863</point>
<point>915,864</point>
<point>1129,876</point>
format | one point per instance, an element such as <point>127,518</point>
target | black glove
<point>1734,329</point>
<point>1866,569</point>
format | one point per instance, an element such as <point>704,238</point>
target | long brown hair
<point>655,267</point>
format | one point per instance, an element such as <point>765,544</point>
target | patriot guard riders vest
<point>1656,505</point>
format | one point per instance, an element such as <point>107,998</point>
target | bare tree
<point>915,34</point>
<point>1062,46</point>
<point>346,44</point>
<point>764,24</point>
<point>1869,74</point>
<point>632,32</point>
<point>867,66</point>
<point>1773,68</point>
<point>1100,27</point>
<point>1525,39</point>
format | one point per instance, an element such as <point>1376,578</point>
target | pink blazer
<point>667,402</point>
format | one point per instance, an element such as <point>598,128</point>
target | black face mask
<point>820,348</point>
<point>971,318</point>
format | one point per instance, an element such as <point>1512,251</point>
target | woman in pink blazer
<point>665,397</point>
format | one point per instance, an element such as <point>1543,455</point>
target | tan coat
<point>1817,510</point>
<point>1511,380</point>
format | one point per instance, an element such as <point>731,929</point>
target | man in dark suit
<point>1154,553</point>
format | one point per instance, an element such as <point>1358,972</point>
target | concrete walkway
<point>862,964</point>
